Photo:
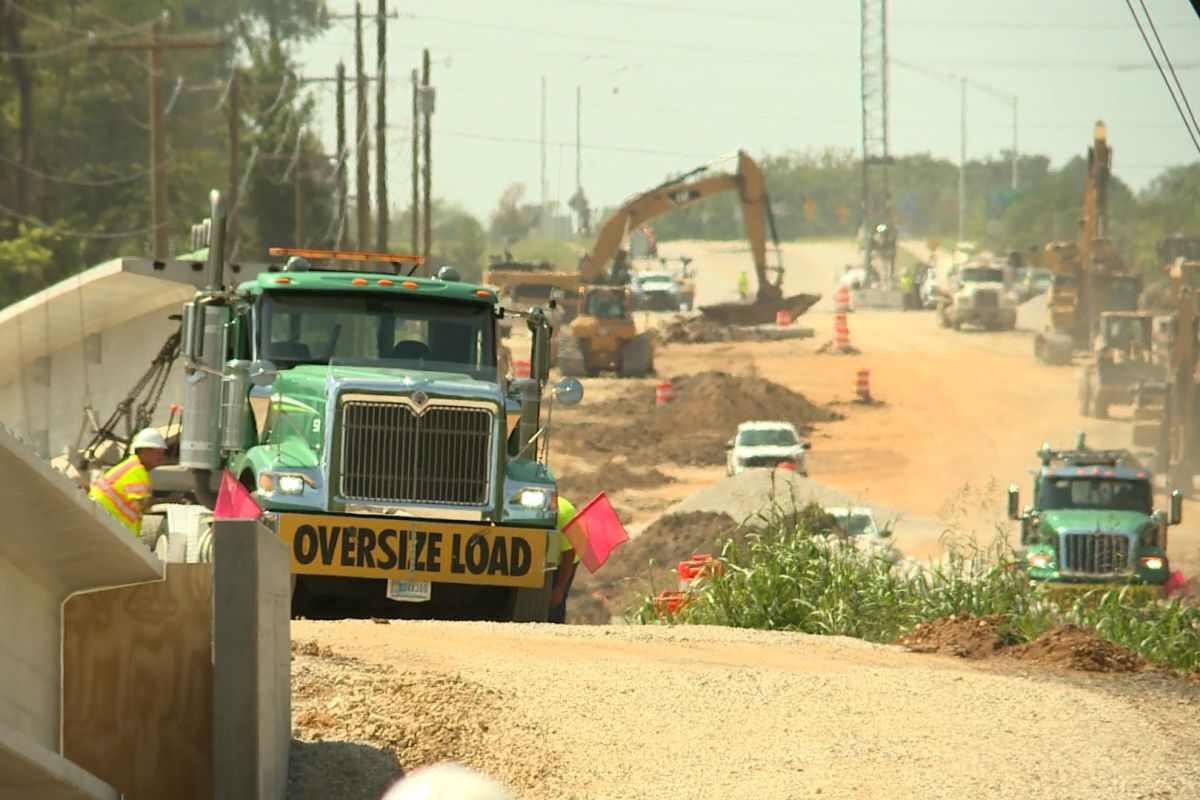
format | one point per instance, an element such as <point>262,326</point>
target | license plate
<point>409,591</point>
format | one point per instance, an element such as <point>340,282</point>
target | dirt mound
<point>647,563</point>
<point>383,722</point>
<point>1073,647</point>
<point>701,330</point>
<point>960,635</point>
<point>1063,646</point>
<point>693,428</point>
<point>612,476</point>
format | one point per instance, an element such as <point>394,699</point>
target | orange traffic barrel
<point>862,385</point>
<point>521,368</point>
<point>664,392</point>
<point>783,319</point>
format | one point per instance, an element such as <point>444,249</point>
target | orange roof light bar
<point>346,255</point>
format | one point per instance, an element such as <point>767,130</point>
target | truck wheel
<point>572,360</point>
<point>1099,407</point>
<point>635,358</point>
<point>532,605</point>
<point>1085,393</point>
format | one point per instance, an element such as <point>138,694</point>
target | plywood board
<point>137,685</point>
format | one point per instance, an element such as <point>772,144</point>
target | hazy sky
<point>668,84</point>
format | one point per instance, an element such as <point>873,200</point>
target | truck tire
<point>635,358</point>
<point>532,605</point>
<point>572,360</point>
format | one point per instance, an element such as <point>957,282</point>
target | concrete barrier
<point>55,543</point>
<point>252,726</point>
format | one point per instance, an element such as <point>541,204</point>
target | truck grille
<point>763,461</point>
<point>1094,553</point>
<point>986,299</point>
<point>392,454</point>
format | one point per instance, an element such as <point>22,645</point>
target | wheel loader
<point>604,337</point>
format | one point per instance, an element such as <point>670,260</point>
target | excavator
<point>1088,277</point>
<point>603,336</point>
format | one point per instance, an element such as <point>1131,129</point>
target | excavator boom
<point>680,193</point>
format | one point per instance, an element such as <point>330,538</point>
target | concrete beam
<point>29,771</point>
<point>252,727</point>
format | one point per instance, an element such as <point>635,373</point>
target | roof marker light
<point>359,281</point>
<point>283,280</point>
<point>482,293</point>
<point>386,282</point>
<point>410,284</point>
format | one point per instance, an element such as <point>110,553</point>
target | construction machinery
<point>1178,265</point>
<point>608,261</point>
<point>366,412</point>
<point>685,280</point>
<point>524,284</point>
<point>1092,521</point>
<point>1087,276</point>
<point>1165,413</point>
<point>613,342</point>
<point>1122,358</point>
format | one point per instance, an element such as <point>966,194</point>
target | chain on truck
<point>368,413</point>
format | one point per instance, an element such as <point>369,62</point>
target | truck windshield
<point>1098,493</point>
<point>767,437</point>
<point>382,331</point>
<point>982,275</point>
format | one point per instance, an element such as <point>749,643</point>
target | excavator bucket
<point>760,312</point>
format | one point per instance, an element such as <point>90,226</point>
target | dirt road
<point>960,414</point>
<point>631,712</point>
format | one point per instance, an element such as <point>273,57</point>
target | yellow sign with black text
<point>414,550</point>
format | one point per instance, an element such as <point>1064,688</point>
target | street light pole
<point>962,164</point>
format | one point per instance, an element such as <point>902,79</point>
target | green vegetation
<point>793,573</point>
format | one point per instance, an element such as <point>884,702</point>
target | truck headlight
<point>1040,560</point>
<point>290,484</point>
<point>1153,563</point>
<point>532,498</point>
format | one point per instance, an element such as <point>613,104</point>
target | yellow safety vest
<point>121,491</point>
<point>566,513</point>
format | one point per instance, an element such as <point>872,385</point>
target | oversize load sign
<point>414,550</point>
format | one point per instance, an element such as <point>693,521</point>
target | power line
<point>75,234</point>
<point>1188,121</point>
<point>1167,58</point>
<point>129,178</point>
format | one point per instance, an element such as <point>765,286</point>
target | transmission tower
<point>876,206</point>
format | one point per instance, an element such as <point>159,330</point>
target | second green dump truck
<point>370,415</point>
<point>1092,520</point>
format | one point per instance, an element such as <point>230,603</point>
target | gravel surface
<point>634,712</point>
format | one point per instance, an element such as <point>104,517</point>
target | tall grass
<point>793,573</point>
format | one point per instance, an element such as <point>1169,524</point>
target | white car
<point>765,445</point>
<point>858,523</point>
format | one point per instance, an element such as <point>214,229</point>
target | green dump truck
<point>1092,520</point>
<point>369,414</point>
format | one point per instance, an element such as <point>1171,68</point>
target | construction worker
<point>743,285</point>
<point>907,284</point>
<point>568,562</point>
<point>124,491</point>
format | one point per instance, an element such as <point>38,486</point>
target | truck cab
<point>980,293</point>
<point>1093,521</point>
<point>367,413</point>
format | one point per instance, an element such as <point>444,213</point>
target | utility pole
<point>427,111</point>
<point>381,197</point>
<point>416,166</point>
<point>542,220</point>
<point>578,140</point>
<point>156,47</point>
<point>363,184</point>
<point>962,164</point>
<point>235,127</point>
<point>340,170</point>
<point>1014,153</point>
<point>298,196</point>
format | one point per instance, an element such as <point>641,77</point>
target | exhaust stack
<point>216,244</point>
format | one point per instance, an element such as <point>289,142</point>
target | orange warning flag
<point>595,532</point>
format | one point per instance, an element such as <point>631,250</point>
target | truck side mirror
<point>729,444</point>
<point>1014,502</point>
<point>1176,507</point>
<point>262,373</point>
<point>568,391</point>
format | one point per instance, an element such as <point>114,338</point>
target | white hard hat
<point>148,437</point>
